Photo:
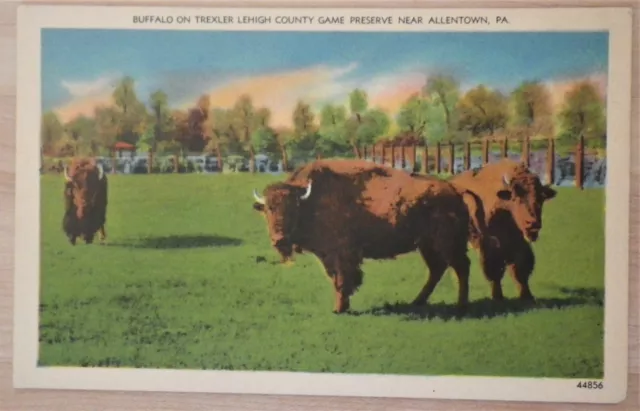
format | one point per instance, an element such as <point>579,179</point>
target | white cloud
<point>79,89</point>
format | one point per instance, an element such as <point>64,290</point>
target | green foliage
<point>413,116</point>
<point>181,285</point>
<point>482,111</point>
<point>437,113</point>
<point>444,92</point>
<point>531,109</point>
<point>583,113</point>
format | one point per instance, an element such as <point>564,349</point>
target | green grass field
<point>179,285</point>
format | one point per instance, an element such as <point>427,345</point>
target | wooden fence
<point>431,156</point>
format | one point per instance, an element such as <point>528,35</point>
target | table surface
<point>49,400</point>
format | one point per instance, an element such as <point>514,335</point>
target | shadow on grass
<point>486,308</point>
<point>180,241</point>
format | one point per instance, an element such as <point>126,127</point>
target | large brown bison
<point>510,217</point>
<point>344,211</point>
<point>85,196</point>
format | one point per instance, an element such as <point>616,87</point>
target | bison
<point>344,211</point>
<point>508,220</point>
<point>85,197</point>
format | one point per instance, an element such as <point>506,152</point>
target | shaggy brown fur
<point>512,199</point>
<point>85,198</point>
<point>344,211</point>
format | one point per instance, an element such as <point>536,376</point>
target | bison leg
<point>521,270</point>
<point>346,277</point>
<point>103,234</point>
<point>461,265</point>
<point>493,268</point>
<point>72,239</point>
<point>88,238</point>
<point>437,266</point>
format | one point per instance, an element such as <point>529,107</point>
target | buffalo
<point>85,198</point>
<point>344,211</point>
<point>509,218</point>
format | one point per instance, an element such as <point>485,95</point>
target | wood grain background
<point>50,400</point>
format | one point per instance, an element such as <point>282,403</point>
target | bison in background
<point>344,211</point>
<point>512,199</point>
<point>85,200</point>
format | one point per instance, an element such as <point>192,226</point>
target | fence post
<point>425,158</point>
<point>551,161</point>
<point>403,159</point>
<point>505,148</point>
<point>467,155</point>
<point>383,153</point>
<point>393,155</point>
<point>150,161</point>
<point>175,163</point>
<point>414,156</point>
<point>580,163</point>
<point>452,157</point>
<point>526,157</point>
<point>113,161</point>
<point>485,150</point>
<point>437,158</point>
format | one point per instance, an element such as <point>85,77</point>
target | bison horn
<point>100,171</point>
<point>66,174</point>
<point>257,197</point>
<point>506,180</point>
<point>307,193</point>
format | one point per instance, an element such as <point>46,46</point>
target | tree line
<point>438,112</point>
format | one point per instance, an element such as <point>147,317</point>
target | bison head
<point>525,196</point>
<point>281,208</point>
<point>80,186</point>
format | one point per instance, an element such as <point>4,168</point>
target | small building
<point>124,150</point>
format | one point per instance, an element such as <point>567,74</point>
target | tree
<point>358,104</point>
<point>413,116</point>
<point>220,132</point>
<point>107,126</point>
<point>81,131</point>
<point>333,129</point>
<point>305,132</point>
<point>162,121</point>
<point>443,91</point>
<point>199,124</point>
<point>531,109</point>
<point>51,131</point>
<point>132,114</point>
<point>245,121</point>
<point>375,124</point>
<point>482,111</point>
<point>583,113</point>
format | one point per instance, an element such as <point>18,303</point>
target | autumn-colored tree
<point>583,113</point>
<point>482,111</point>
<point>531,109</point>
<point>51,131</point>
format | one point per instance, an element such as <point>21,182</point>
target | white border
<point>31,18</point>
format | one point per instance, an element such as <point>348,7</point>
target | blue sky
<point>77,62</point>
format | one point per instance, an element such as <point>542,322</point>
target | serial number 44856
<point>591,385</point>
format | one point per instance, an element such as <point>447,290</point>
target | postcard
<point>415,203</point>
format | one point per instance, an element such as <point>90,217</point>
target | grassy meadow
<point>189,280</point>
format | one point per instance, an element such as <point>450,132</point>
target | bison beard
<point>85,201</point>
<point>508,218</point>
<point>344,211</point>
